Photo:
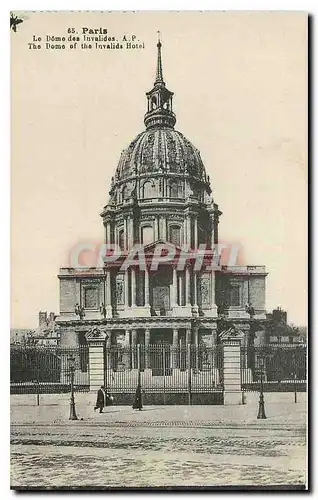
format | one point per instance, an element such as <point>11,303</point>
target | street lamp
<point>261,407</point>
<point>71,361</point>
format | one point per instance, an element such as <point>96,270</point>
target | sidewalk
<point>54,409</point>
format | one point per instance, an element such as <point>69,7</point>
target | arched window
<point>175,234</point>
<point>174,190</point>
<point>124,193</point>
<point>150,189</point>
<point>147,235</point>
<point>153,102</point>
<point>121,239</point>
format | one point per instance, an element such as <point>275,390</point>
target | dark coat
<point>100,402</point>
<point>137,404</point>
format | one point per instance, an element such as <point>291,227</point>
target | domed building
<point>158,291</point>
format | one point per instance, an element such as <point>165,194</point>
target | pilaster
<point>231,340</point>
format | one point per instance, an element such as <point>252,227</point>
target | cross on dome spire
<point>159,77</point>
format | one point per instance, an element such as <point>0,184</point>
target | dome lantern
<point>159,112</point>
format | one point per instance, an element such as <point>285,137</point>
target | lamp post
<point>261,407</point>
<point>71,361</point>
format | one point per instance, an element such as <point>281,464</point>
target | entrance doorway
<point>160,355</point>
<point>160,291</point>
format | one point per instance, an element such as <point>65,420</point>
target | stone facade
<point>160,195</point>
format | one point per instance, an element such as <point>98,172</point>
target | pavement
<point>54,409</point>
<point>160,446</point>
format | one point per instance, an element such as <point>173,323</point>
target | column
<point>127,238</point>
<point>107,232</point>
<point>126,289</point>
<point>156,229</point>
<point>125,233</point>
<point>195,288</point>
<point>146,287</point>
<point>131,239</point>
<point>187,286</point>
<point>195,233</point>
<point>147,344</point>
<point>196,343</point>
<point>180,289</point>
<point>188,219</point>
<point>134,348</point>
<point>163,228</point>
<point>246,368</point>
<point>174,287</point>
<point>214,357</point>
<point>108,350</point>
<point>133,287</point>
<point>213,287</point>
<point>175,348</point>
<point>108,294</point>
<point>188,336</point>
<point>185,231</point>
<point>127,348</point>
<point>188,342</point>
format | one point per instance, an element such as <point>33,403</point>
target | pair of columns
<point>174,288</point>
<point>108,299</point>
<point>188,221</point>
<point>134,288</point>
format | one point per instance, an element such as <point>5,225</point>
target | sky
<point>240,84</point>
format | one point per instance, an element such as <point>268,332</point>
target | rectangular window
<point>235,295</point>
<point>90,298</point>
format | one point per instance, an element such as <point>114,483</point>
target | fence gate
<point>169,375</point>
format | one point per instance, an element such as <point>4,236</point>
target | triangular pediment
<point>95,334</point>
<point>150,247</point>
<point>232,333</point>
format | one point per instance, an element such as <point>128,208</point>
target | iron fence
<point>46,369</point>
<point>164,368</point>
<point>284,367</point>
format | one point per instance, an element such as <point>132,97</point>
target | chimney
<point>42,319</point>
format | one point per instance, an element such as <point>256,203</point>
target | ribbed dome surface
<point>160,150</point>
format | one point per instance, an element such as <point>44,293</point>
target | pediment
<point>232,333</point>
<point>95,334</point>
<point>150,247</point>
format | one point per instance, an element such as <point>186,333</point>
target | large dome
<point>160,150</point>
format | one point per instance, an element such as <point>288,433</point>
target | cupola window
<point>175,234</point>
<point>150,189</point>
<point>175,191</point>
<point>124,193</point>
<point>121,239</point>
<point>147,235</point>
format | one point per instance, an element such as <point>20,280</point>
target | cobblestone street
<point>160,446</point>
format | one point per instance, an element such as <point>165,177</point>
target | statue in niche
<point>120,292</point>
<point>205,291</point>
<point>103,310</point>
<point>79,311</point>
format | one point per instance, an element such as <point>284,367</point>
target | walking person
<point>137,404</point>
<point>101,399</point>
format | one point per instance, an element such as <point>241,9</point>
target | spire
<point>159,112</point>
<point>159,77</point>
